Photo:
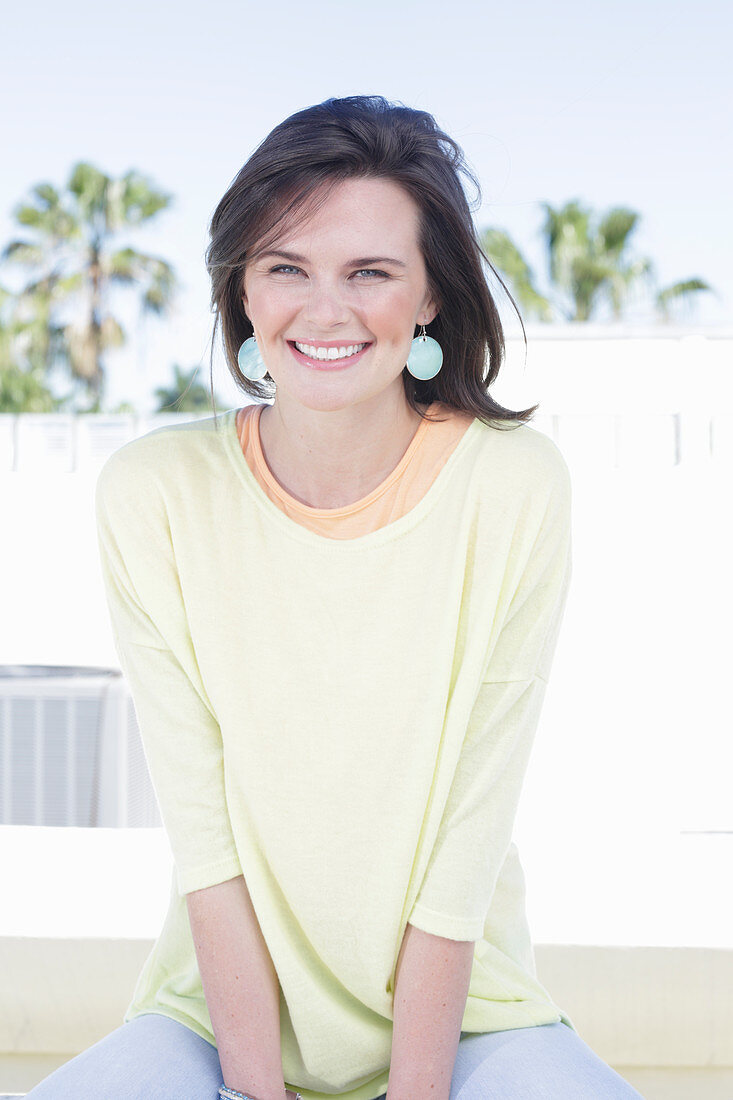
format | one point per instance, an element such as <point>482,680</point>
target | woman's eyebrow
<point>361,261</point>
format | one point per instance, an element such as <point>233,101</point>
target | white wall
<point>626,818</point>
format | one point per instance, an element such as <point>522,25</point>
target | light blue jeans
<point>155,1058</point>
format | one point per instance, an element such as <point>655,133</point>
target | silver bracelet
<point>232,1094</point>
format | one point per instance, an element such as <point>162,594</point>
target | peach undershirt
<point>401,490</point>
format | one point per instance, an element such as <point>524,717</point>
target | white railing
<point>628,440</point>
<point>66,443</point>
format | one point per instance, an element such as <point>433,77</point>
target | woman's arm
<point>184,752</point>
<point>431,987</point>
<point>241,988</point>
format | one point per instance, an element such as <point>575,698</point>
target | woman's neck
<point>330,460</point>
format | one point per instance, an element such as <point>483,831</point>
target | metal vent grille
<point>70,749</point>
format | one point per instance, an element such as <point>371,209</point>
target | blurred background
<point>601,139</point>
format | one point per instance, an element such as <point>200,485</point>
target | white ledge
<point>80,902</point>
<point>619,888</point>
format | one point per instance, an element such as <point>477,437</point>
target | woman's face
<point>353,275</point>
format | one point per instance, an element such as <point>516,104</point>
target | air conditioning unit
<point>70,749</point>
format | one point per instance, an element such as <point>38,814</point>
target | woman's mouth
<point>334,358</point>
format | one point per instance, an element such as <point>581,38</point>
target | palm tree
<point>21,389</point>
<point>588,262</point>
<point>185,394</point>
<point>589,265</point>
<point>678,292</point>
<point>24,391</point>
<point>73,255</point>
<point>507,258</point>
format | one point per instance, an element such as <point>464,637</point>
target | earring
<point>251,363</point>
<point>425,358</point>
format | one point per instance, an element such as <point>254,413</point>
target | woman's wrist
<point>227,1093</point>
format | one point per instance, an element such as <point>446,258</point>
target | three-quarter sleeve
<point>477,823</point>
<point>179,729</point>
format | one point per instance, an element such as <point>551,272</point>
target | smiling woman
<point>334,200</point>
<point>336,336</point>
<point>337,614</point>
<point>331,250</point>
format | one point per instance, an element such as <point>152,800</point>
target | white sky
<point>622,104</point>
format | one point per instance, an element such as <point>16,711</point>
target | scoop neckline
<point>303,534</point>
<point>344,509</point>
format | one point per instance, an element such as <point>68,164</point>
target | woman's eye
<point>370,272</point>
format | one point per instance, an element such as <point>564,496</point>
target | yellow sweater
<point>345,722</point>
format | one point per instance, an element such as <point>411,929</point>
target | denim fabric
<point>153,1056</point>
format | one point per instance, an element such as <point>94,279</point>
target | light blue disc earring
<point>251,363</point>
<point>425,358</point>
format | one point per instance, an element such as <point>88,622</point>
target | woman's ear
<point>430,312</point>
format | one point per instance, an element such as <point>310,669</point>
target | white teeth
<point>329,353</point>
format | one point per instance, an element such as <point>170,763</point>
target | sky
<point>624,104</point>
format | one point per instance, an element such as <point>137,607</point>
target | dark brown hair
<point>291,173</point>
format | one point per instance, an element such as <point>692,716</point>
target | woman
<point>337,615</point>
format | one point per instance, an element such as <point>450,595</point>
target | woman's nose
<point>325,305</point>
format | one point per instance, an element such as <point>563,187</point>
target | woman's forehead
<point>376,211</point>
